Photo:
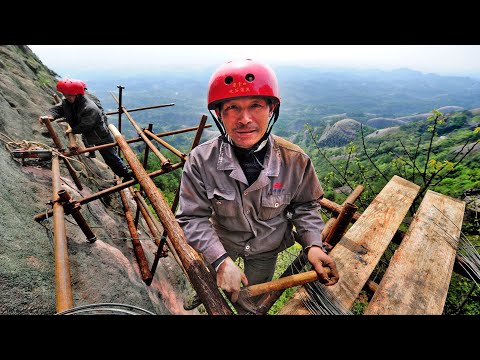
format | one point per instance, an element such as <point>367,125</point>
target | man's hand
<point>319,259</point>
<point>41,118</point>
<point>229,277</point>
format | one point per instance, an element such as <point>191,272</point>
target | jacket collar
<point>228,161</point>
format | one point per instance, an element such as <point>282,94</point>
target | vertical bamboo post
<point>137,245</point>
<point>341,224</point>
<point>120,88</point>
<point>63,286</point>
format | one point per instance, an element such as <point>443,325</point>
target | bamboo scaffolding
<point>59,146</point>
<point>145,165</point>
<point>73,208</point>
<point>165,163</point>
<point>181,155</point>
<point>155,229</point>
<point>137,245</point>
<point>42,216</point>
<point>133,140</point>
<point>63,285</point>
<point>140,108</point>
<point>202,280</point>
<point>341,224</point>
<point>195,143</point>
<point>160,252</point>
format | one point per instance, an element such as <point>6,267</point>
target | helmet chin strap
<point>260,143</point>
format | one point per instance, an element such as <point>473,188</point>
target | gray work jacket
<point>219,211</point>
<point>84,117</point>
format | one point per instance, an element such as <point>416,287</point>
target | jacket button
<point>247,247</point>
<point>276,205</point>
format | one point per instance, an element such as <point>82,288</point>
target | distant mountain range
<point>309,96</point>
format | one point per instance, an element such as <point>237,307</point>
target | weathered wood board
<point>417,279</point>
<point>362,246</point>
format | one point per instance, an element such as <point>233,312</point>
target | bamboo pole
<point>63,286</point>
<point>202,281</point>
<point>177,152</point>
<point>72,142</point>
<point>165,163</point>
<point>111,190</point>
<point>336,208</point>
<point>341,224</point>
<point>354,195</point>
<point>140,108</point>
<point>199,133</point>
<point>281,283</point>
<point>161,244</point>
<point>133,140</point>
<point>146,153</point>
<point>73,208</point>
<point>195,143</point>
<point>59,146</point>
<point>137,245</point>
<point>155,229</point>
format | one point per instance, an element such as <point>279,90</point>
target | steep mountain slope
<point>340,133</point>
<point>103,272</point>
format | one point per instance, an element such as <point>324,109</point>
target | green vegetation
<point>440,154</point>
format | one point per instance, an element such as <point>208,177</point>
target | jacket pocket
<point>223,202</point>
<point>273,205</point>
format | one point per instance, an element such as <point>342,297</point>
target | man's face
<point>70,98</point>
<point>245,120</point>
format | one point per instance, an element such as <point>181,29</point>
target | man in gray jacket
<point>86,118</point>
<point>246,192</point>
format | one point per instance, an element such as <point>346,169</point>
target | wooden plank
<point>418,277</point>
<point>362,246</point>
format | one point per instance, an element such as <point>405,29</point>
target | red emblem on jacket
<point>277,185</point>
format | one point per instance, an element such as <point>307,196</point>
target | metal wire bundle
<point>470,258</point>
<point>321,301</point>
<point>318,299</point>
<point>106,309</point>
<point>466,251</point>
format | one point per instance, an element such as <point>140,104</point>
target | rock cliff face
<point>105,271</point>
<point>340,133</point>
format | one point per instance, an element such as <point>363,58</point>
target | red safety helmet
<point>242,78</point>
<point>71,87</point>
<point>81,82</point>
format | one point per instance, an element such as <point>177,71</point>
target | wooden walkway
<point>419,273</point>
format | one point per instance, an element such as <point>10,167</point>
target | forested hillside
<point>440,153</point>
<point>308,95</point>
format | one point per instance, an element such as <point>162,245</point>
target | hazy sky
<point>66,60</point>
